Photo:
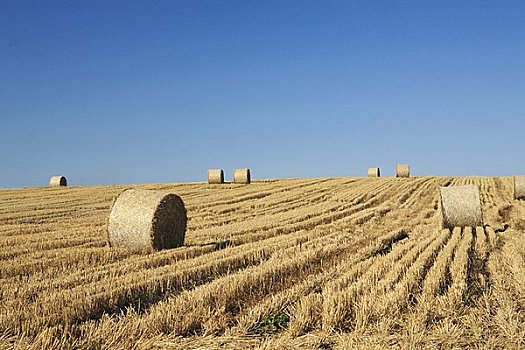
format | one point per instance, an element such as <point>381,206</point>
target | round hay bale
<point>461,206</point>
<point>374,172</point>
<point>519,187</point>
<point>215,176</point>
<point>145,221</point>
<point>402,170</point>
<point>58,181</point>
<point>242,176</point>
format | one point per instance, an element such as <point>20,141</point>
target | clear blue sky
<point>110,92</point>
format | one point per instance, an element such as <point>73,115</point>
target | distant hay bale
<point>215,176</point>
<point>519,187</point>
<point>374,172</point>
<point>145,221</point>
<point>402,170</point>
<point>461,206</point>
<point>241,176</point>
<point>57,181</point>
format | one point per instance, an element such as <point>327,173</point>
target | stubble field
<point>332,263</point>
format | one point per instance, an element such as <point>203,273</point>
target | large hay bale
<point>145,220</point>
<point>215,176</point>
<point>241,176</point>
<point>402,170</point>
<point>58,181</point>
<point>519,187</point>
<point>461,206</point>
<point>374,172</point>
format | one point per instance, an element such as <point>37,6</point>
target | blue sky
<point>109,92</point>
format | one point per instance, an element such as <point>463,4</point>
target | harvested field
<point>332,263</point>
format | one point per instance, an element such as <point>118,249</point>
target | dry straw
<point>374,172</point>
<point>241,176</point>
<point>215,176</point>
<point>402,170</point>
<point>519,187</point>
<point>145,221</point>
<point>57,181</point>
<point>461,206</point>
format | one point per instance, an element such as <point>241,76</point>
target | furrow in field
<point>375,265</point>
<point>51,233</point>
<point>82,302</point>
<point>61,261</point>
<point>425,194</point>
<point>63,243</point>
<point>221,197</point>
<point>289,221</point>
<point>438,278</point>
<point>343,303</point>
<point>459,269</point>
<point>504,304</point>
<point>274,204</point>
<point>395,300</point>
<point>87,302</point>
<point>479,278</point>
<point>300,294</point>
<point>513,251</point>
<point>228,296</point>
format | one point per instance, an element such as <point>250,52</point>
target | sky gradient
<point>113,92</point>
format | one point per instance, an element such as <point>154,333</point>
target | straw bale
<point>146,220</point>
<point>374,172</point>
<point>215,176</point>
<point>241,176</point>
<point>57,181</point>
<point>461,206</point>
<point>519,187</point>
<point>402,170</point>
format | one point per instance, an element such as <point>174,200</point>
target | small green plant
<point>273,323</point>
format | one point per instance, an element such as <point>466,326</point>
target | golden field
<point>332,263</point>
